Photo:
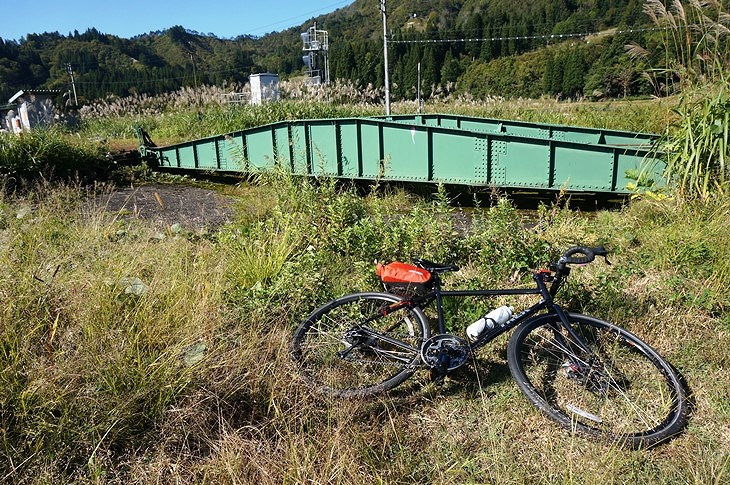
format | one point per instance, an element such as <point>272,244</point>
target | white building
<point>264,87</point>
<point>29,109</point>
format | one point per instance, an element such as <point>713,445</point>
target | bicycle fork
<point>589,370</point>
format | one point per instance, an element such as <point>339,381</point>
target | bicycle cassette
<point>445,352</point>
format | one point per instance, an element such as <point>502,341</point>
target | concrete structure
<point>264,87</point>
<point>29,109</point>
<point>5,114</point>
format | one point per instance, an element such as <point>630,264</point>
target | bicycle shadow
<point>483,377</point>
<point>474,378</point>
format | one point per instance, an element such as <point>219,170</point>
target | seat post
<point>439,306</point>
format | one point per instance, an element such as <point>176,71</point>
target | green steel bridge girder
<point>451,150</point>
<point>530,130</point>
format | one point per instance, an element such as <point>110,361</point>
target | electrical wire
<point>523,37</point>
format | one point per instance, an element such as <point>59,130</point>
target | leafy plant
<point>697,145</point>
<point>49,153</point>
<point>694,42</point>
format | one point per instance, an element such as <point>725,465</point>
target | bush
<point>49,153</point>
<point>696,145</point>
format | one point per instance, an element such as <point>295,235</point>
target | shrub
<point>696,145</point>
<point>49,153</point>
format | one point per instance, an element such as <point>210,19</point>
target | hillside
<point>433,33</point>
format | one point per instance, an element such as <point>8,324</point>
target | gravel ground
<point>194,208</point>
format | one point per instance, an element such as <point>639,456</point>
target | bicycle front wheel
<point>360,344</point>
<point>622,390</point>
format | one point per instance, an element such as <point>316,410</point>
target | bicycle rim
<point>624,392</point>
<point>350,347</point>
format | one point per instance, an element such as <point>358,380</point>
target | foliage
<point>104,64</point>
<point>445,37</point>
<point>697,144</point>
<point>510,77</point>
<point>49,153</point>
<point>124,352</point>
<point>507,52</point>
<point>695,46</point>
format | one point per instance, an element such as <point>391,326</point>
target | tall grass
<point>190,114</point>
<point>87,363</point>
<point>49,153</point>
<point>695,41</point>
<point>198,121</point>
<point>126,358</point>
<point>208,110</point>
<point>697,145</point>
<point>692,45</point>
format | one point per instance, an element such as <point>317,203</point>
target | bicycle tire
<point>342,356</point>
<point>629,396</point>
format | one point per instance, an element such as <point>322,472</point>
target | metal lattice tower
<point>316,45</point>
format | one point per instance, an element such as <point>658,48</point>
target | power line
<point>493,27</point>
<point>304,15</point>
<point>153,79</point>
<point>522,37</point>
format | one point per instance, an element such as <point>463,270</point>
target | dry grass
<point>189,113</point>
<point>187,379</point>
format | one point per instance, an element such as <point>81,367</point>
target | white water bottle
<point>498,316</point>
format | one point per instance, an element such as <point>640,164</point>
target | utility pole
<point>418,89</point>
<point>73,83</point>
<point>195,76</point>
<point>385,60</point>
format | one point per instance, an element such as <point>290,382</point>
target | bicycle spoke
<point>352,347</point>
<point>607,384</point>
<point>618,390</point>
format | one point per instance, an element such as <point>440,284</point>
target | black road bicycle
<point>586,374</point>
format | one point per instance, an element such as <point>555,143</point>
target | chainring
<point>445,352</point>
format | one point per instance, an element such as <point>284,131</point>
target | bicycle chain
<point>384,362</point>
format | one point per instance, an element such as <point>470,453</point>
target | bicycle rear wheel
<point>356,346</point>
<point>623,391</point>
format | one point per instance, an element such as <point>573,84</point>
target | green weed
<point>49,153</point>
<point>697,144</point>
<point>689,54</point>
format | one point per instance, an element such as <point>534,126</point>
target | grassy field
<point>177,118</point>
<point>131,353</point>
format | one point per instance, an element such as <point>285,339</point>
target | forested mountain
<point>491,47</point>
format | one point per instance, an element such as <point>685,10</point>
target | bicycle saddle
<point>434,267</point>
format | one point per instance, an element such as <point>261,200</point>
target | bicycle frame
<point>546,302</point>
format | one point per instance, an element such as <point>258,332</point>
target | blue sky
<point>127,18</point>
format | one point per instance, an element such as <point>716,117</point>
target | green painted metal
<point>428,149</point>
<point>531,130</point>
